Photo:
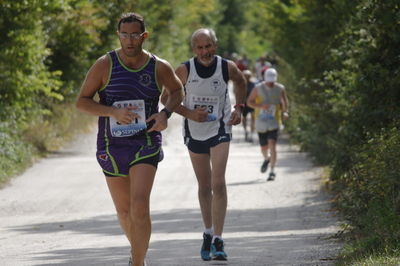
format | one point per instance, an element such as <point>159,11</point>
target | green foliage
<point>47,47</point>
<point>345,109</point>
<point>14,154</point>
<point>26,81</point>
<point>385,258</point>
<point>171,23</point>
<point>230,25</point>
<point>369,192</point>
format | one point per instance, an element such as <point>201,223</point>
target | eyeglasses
<point>135,36</point>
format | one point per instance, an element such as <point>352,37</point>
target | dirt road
<point>59,212</point>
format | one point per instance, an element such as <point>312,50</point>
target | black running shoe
<point>271,176</point>
<point>264,166</point>
<point>206,247</point>
<point>217,250</point>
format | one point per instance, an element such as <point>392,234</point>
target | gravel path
<point>59,212</point>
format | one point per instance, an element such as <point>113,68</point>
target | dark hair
<point>132,17</point>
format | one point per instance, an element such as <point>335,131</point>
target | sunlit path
<point>59,212</point>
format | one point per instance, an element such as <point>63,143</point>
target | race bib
<point>210,102</point>
<point>267,114</point>
<point>139,124</point>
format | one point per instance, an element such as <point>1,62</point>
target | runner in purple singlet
<point>129,81</point>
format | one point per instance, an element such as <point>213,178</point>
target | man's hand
<point>161,121</point>
<point>125,116</point>
<point>199,114</point>
<point>236,117</point>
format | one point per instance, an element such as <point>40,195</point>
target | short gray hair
<point>206,31</point>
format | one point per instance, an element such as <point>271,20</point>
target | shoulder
<point>163,66</point>
<point>182,68</point>
<point>234,72</point>
<point>280,86</point>
<point>160,61</point>
<point>259,85</point>
<point>103,61</point>
<point>262,86</point>
<point>233,69</point>
<point>102,66</point>
<point>182,71</point>
<point>230,63</point>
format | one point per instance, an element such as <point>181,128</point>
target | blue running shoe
<point>206,247</point>
<point>217,250</point>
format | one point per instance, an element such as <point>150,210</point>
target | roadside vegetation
<point>339,59</point>
<point>346,113</point>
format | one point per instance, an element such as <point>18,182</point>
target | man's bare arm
<point>239,88</point>
<point>198,114</point>
<point>239,82</point>
<point>172,94</point>
<point>95,79</point>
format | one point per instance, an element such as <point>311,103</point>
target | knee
<point>273,149</point>
<point>219,187</point>
<point>204,189</point>
<point>204,192</point>
<point>264,148</point>
<point>122,212</point>
<point>140,210</point>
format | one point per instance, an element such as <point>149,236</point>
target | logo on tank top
<point>216,84</point>
<point>103,157</point>
<point>145,79</point>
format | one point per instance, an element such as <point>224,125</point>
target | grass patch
<point>383,259</point>
<point>18,150</point>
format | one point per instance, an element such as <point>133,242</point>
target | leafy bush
<point>369,194</point>
<point>346,111</point>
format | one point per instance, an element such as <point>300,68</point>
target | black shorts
<point>203,146</point>
<point>264,137</point>
<point>247,110</point>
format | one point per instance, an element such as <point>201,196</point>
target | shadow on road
<point>252,236</point>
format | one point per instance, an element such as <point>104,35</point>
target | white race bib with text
<point>210,102</point>
<point>139,124</point>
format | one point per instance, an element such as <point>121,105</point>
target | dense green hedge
<point>346,59</point>
<point>370,192</point>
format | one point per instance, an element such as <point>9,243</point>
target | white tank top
<point>212,93</point>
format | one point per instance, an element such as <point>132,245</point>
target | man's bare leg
<point>202,169</point>
<point>120,194</point>
<point>219,158</point>
<point>142,179</point>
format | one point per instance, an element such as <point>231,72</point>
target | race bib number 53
<point>139,124</point>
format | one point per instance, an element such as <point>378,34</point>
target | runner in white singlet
<point>207,130</point>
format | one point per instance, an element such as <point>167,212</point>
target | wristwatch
<point>168,113</point>
<point>241,105</point>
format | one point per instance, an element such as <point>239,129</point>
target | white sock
<point>272,170</point>
<point>214,237</point>
<point>209,231</point>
